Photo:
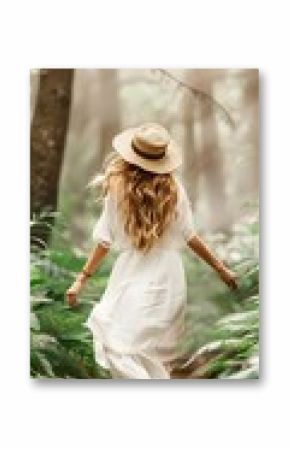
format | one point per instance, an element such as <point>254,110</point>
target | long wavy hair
<point>146,201</point>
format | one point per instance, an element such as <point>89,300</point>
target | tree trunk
<point>48,133</point>
<point>212,167</point>
<point>109,112</point>
<point>190,161</point>
<point>251,104</point>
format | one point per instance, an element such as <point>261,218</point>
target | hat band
<point>147,155</point>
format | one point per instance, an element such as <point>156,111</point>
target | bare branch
<point>200,95</point>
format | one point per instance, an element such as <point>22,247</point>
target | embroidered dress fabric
<point>139,321</point>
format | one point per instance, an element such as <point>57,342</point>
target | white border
<point>78,414</point>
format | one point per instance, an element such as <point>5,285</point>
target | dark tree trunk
<point>48,133</point>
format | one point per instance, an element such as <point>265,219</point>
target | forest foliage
<point>222,338</point>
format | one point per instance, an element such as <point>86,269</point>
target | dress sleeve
<point>102,232</point>
<point>186,218</point>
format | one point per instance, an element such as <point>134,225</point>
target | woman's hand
<point>72,292</point>
<point>228,277</point>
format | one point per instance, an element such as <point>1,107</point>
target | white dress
<point>139,321</point>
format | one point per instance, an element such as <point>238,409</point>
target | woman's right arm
<point>200,248</point>
<point>93,261</point>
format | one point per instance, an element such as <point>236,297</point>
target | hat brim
<point>122,143</point>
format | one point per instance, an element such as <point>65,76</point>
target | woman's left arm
<point>197,245</point>
<point>94,259</point>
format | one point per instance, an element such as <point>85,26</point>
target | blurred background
<point>213,114</point>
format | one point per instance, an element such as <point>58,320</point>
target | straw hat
<point>150,147</point>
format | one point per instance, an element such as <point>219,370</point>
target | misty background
<point>221,161</point>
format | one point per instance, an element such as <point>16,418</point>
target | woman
<point>147,217</point>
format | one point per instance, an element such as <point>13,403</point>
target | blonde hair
<point>146,201</point>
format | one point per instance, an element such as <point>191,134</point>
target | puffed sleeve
<point>102,232</point>
<point>186,218</point>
